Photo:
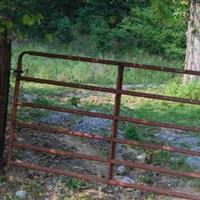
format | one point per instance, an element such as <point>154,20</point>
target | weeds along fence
<point>116,117</point>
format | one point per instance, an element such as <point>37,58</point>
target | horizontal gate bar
<point>159,147</point>
<point>59,152</point>
<point>67,84</point>
<point>160,97</point>
<point>158,124</point>
<point>61,131</point>
<point>66,110</point>
<point>148,167</point>
<point>156,169</point>
<point>109,116</point>
<point>98,179</point>
<point>104,138</point>
<point>154,190</point>
<point>58,171</point>
<point>110,90</point>
<point>110,62</point>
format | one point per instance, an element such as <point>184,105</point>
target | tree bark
<point>5,65</point>
<point>192,60</point>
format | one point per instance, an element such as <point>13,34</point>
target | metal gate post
<point>14,109</point>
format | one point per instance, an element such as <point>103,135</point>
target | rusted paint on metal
<point>14,110</point>
<point>56,130</point>
<point>111,117</point>
<point>111,62</point>
<point>60,130</point>
<point>111,90</point>
<point>59,152</point>
<point>111,161</point>
<point>102,180</point>
<point>116,112</point>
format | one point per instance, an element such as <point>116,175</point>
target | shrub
<point>189,90</point>
<point>64,30</point>
<point>133,133</point>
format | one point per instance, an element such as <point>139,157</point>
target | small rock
<point>121,170</point>
<point>126,179</point>
<point>141,157</point>
<point>21,194</point>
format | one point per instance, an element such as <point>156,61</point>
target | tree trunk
<point>5,65</point>
<point>192,60</point>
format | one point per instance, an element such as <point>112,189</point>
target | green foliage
<point>189,90</point>
<point>152,196</point>
<point>100,33</point>
<point>146,178</point>
<point>30,20</point>
<point>90,73</point>
<point>74,183</point>
<point>133,133</point>
<point>74,101</point>
<point>44,101</point>
<point>118,26</point>
<point>168,159</point>
<point>147,31</point>
<point>64,30</point>
<point>196,183</point>
<point>161,157</point>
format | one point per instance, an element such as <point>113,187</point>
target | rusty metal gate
<point>115,117</point>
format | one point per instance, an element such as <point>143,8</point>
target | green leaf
<point>9,25</point>
<point>28,20</point>
<point>49,36</point>
<point>2,29</point>
<point>39,18</point>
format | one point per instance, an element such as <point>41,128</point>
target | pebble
<point>21,194</point>
<point>121,170</point>
<point>126,179</point>
<point>141,157</point>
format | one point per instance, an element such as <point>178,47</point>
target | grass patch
<point>168,159</point>
<point>189,90</point>
<point>90,73</point>
<point>139,133</point>
<point>187,115</point>
<point>74,183</point>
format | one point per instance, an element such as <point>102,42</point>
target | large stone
<point>121,170</point>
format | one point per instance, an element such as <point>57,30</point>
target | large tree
<point>192,60</point>
<point>190,10</point>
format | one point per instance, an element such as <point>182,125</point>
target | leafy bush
<point>64,30</point>
<point>100,34</point>
<point>149,32</point>
<point>189,90</point>
<point>74,183</point>
<point>133,133</point>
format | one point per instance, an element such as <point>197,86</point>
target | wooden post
<point>5,65</point>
